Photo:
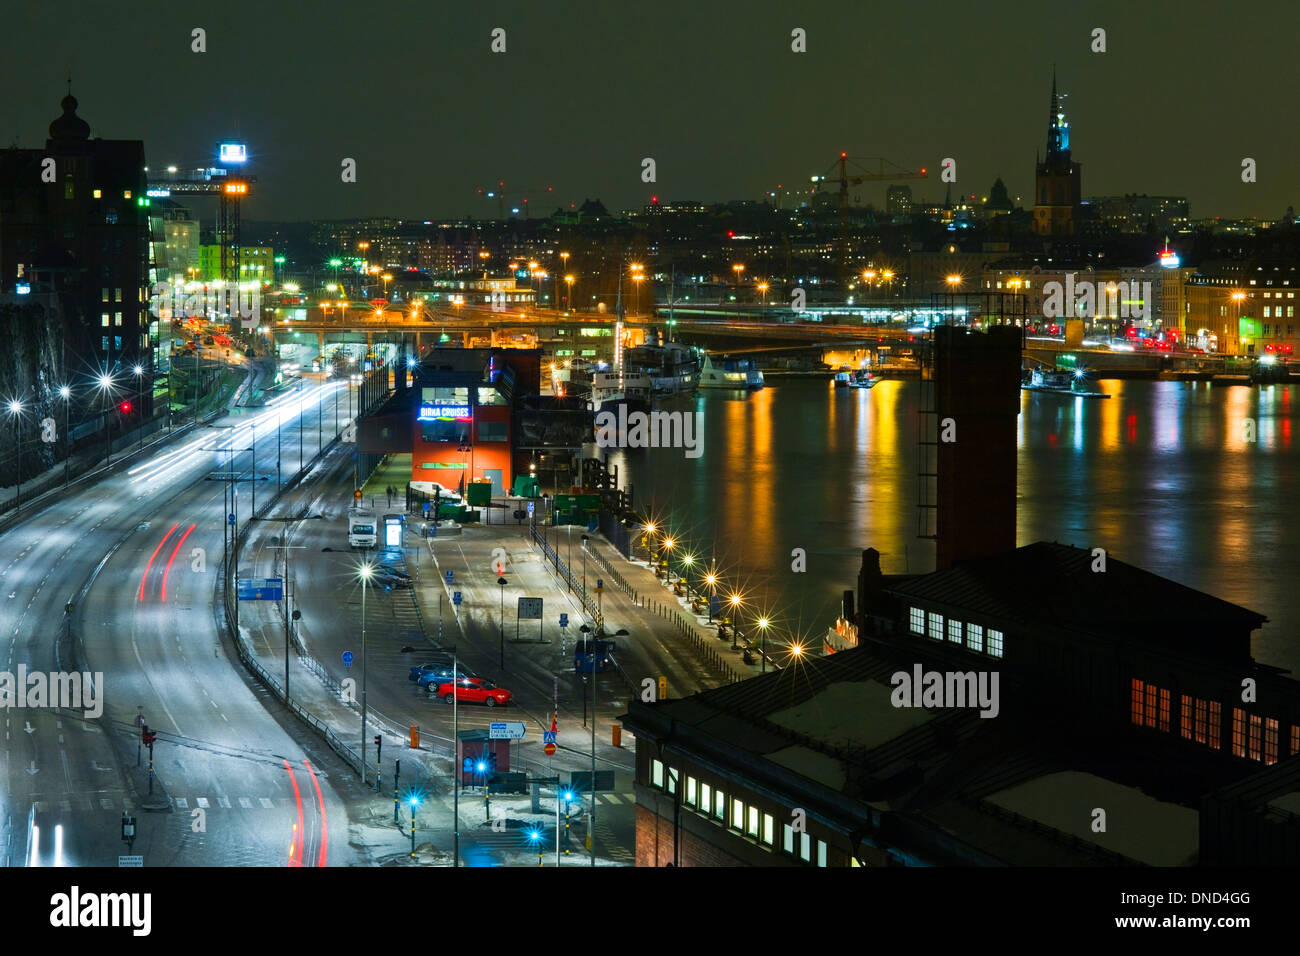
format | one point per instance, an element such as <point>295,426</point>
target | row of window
<point>974,637</point>
<point>117,342</point>
<point>1253,737</point>
<point>744,819</point>
<point>1290,329</point>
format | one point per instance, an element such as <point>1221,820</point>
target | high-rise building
<point>1058,192</point>
<point>74,220</point>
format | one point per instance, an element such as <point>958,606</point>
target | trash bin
<point>617,731</point>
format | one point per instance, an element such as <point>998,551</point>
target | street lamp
<point>687,561</point>
<point>106,386</point>
<point>569,281</point>
<point>762,287</point>
<point>735,618</point>
<point>15,417</point>
<point>138,372</point>
<point>66,394</point>
<point>738,269</point>
<point>414,801</point>
<point>763,624</point>
<point>501,585</point>
<point>364,572</point>
<point>668,548</point>
<point>711,579</point>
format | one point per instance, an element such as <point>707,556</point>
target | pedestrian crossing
<point>178,803</point>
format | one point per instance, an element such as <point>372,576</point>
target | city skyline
<point>754,116</point>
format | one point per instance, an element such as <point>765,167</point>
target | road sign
<point>592,527</point>
<point>450,577</point>
<point>564,620</point>
<point>549,749</point>
<point>455,597</point>
<point>130,861</point>
<point>530,509</point>
<point>530,609</point>
<point>261,589</point>
<point>347,658</point>
<point>426,509</point>
<point>506,730</point>
<point>548,736</point>
<point>357,494</point>
<point>600,585</point>
<point>230,519</point>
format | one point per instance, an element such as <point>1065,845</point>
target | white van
<point>361,529</point>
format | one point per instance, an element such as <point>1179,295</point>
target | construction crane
<point>886,172</point>
<point>499,192</point>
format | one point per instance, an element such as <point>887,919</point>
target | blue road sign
<point>455,597</point>
<point>592,527</point>
<point>450,577</point>
<point>230,518</point>
<point>347,658</point>
<point>564,620</point>
<point>548,736</point>
<point>599,583</point>
<point>426,509</point>
<point>260,589</point>
<point>530,509</point>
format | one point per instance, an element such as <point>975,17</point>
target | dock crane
<point>499,192</point>
<point>886,171</point>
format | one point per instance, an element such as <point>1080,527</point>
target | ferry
<point>611,389</point>
<point>864,379</point>
<point>1060,382</point>
<point>843,378</point>
<point>730,373</point>
<point>673,369</point>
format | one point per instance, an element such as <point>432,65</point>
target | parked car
<point>435,678</point>
<point>475,690</point>
<point>442,660</point>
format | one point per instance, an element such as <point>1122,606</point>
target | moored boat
<point>729,373</point>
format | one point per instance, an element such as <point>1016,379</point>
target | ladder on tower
<point>927,445</point>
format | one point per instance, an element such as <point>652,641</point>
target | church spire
<point>1058,130</point>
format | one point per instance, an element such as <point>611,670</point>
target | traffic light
<point>125,408</point>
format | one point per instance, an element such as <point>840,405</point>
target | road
<point>144,542</point>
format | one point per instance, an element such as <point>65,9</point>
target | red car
<point>476,690</point>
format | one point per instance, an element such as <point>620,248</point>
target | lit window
<point>821,852</point>
<point>126,194</point>
<point>691,787</point>
<point>954,631</point>
<point>787,838</point>
<point>1185,717</point>
<point>117,318</point>
<point>657,773</point>
<point>1270,740</point>
<point>98,194</point>
<point>719,804</point>
<point>103,319</point>
<point>737,813</point>
<point>995,643</point>
<point>1256,732</point>
<point>1238,732</point>
<point>1295,739</point>
<point>975,637</point>
<point>751,824</point>
<point>706,797</point>
<point>918,621</point>
<point>769,829</point>
<point>936,626</point>
<point>672,780</point>
<point>805,847</point>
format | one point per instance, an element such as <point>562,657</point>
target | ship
<point>862,378</point>
<point>673,369</point>
<point>611,389</point>
<point>1060,382</point>
<point>728,373</point>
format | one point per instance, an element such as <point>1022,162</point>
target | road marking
<point>267,803</point>
<point>223,802</point>
<point>201,801</point>
<point>246,803</point>
<point>181,803</point>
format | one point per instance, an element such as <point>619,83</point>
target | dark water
<point>1161,475</point>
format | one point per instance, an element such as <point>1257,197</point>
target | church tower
<point>1058,190</point>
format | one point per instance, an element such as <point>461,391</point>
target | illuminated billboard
<point>233,153</point>
<point>431,413</point>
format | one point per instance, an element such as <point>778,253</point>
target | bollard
<point>616,730</point>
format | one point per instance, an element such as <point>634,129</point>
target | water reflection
<point>1162,475</point>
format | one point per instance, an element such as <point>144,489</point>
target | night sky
<point>710,90</point>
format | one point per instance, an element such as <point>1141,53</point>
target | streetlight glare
<point>15,406</point>
<point>65,391</point>
<point>138,370</point>
<point>365,571</point>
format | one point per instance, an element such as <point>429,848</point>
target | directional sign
<point>130,861</point>
<point>261,589</point>
<point>450,577</point>
<point>564,620</point>
<point>455,597</point>
<point>347,658</point>
<point>530,609</point>
<point>230,519</point>
<point>592,527</point>
<point>506,730</point>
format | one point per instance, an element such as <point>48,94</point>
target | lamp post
<point>762,640</point>
<point>687,561</point>
<point>138,372</point>
<point>585,539</point>
<point>414,801</point>
<point>16,417</point>
<point>735,619</point>
<point>711,579</point>
<point>105,391</point>
<point>364,571</point>
<point>66,394</point>
<point>650,531</point>
<point>501,585</point>
<point>668,553</point>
